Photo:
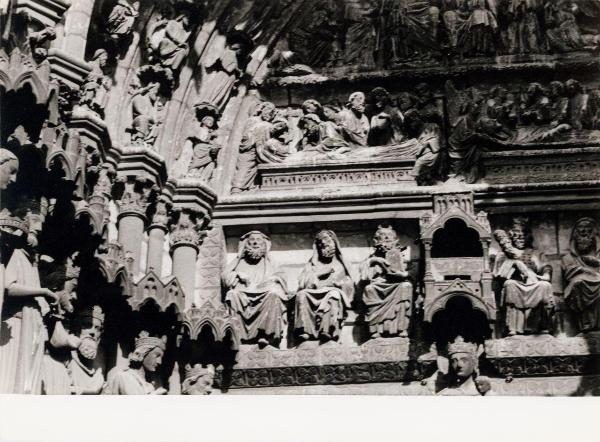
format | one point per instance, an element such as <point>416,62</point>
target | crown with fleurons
<point>14,222</point>
<point>145,340</point>
<point>198,370</point>
<point>461,346</point>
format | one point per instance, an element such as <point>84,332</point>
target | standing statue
<point>524,33</point>
<point>223,70</point>
<point>94,91</point>
<point>9,166</point>
<point>429,141</point>
<point>168,42</point>
<point>22,333</point>
<point>198,156</point>
<point>461,377</point>
<point>256,292</point>
<point>146,113</point>
<point>526,291</point>
<point>581,270</point>
<point>121,19</point>
<point>256,132</point>
<point>325,291</point>
<point>353,121</point>
<point>388,293</point>
<point>143,363</point>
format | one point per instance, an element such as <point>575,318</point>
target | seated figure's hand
<point>483,384</point>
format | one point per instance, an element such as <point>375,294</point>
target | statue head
<point>499,92</point>
<point>413,123</point>
<point>573,87</point>
<point>325,242</point>
<point>380,98</point>
<point>356,102</point>
<point>91,323</point>
<point>311,106</point>
<point>207,114</point>
<point>101,57</point>
<point>330,112</point>
<point>405,101</point>
<point>463,358</point>
<point>534,91</point>
<point>240,43</point>
<point>9,166</point>
<point>584,236</point>
<point>198,379</point>
<point>280,127</point>
<point>423,92</point>
<point>520,233</point>
<point>309,123</point>
<point>267,111</point>
<point>255,246</point>
<point>148,352</point>
<point>385,239</point>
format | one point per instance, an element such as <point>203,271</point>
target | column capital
<point>186,229</point>
<point>133,196</point>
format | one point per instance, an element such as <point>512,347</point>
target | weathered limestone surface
<point>396,197</point>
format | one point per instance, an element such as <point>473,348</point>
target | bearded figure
<point>256,292</point>
<point>353,121</point>
<point>581,269</point>
<point>388,292</point>
<point>143,363</point>
<point>459,374</point>
<point>326,291</point>
<point>86,376</point>
<point>526,291</point>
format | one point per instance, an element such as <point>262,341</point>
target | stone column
<point>185,242</point>
<point>77,23</point>
<point>156,238</point>
<point>132,204</point>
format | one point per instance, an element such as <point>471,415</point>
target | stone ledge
<point>544,345</point>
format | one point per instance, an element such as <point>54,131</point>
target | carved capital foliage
<point>133,196</point>
<point>186,229</point>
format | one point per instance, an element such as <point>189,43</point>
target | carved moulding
<point>217,318</point>
<point>164,293</point>
<point>285,177</point>
<point>113,265</point>
<point>448,277</point>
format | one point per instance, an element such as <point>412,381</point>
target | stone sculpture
<point>353,121</point>
<point>146,115</point>
<point>97,84</point>
<point>9,166</point>
<point>256,132</point>
<point>325,137</point>
<point>223,70</point>
<point>23,334</point>
<point>168,41</point>
<point>86,376</point>
<point>143,363</point>
<point>198,379</point>
<point>386,121</point>
<point>121,19</point>
<point>461,377</point>
<point>427,168</point>
<point>527,291</point>
<point>255,291</point>
<point>326,291</point>
<point>199,153</point>
<point>581,269</point>
<point>387,292</point>
<point>277,148</point>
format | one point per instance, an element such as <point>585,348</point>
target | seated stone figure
<point>527,291</point>
<point>143,362</point>
<point>460,378</point>
<point>256,292</point>
<point>581,269</point>
<point>388,293</point>
<point>325,291</point>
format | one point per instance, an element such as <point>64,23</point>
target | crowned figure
<point>198,379</point>
<point>143,363</point>
<point>388,292</point>
<point>581,270</point>
<point>256,291</point>
<point>325,291</point>
<point>459,374</point>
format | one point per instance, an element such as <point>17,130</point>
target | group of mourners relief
<point>379,127</point>
<point>258,293</point>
